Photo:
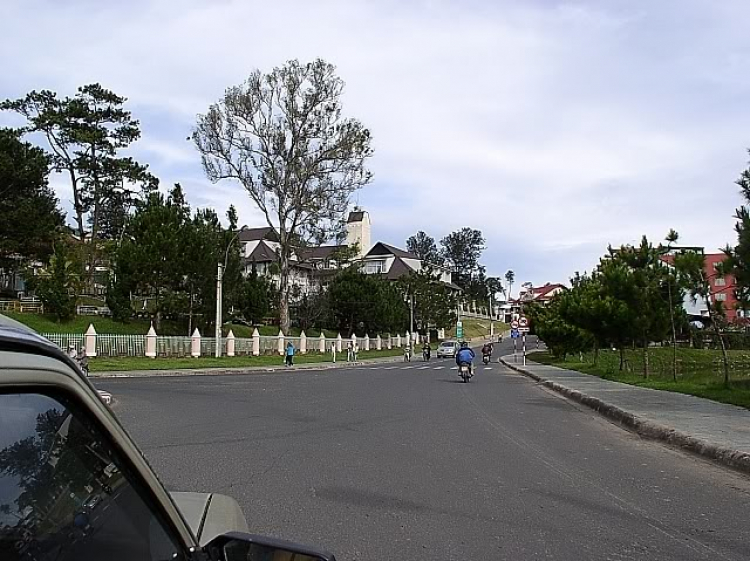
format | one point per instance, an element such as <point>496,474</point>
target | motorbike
<point>425,354</point>
<point>464,370</point>
<point>486,358</point>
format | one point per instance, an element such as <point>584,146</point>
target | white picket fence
<point>153,345</point>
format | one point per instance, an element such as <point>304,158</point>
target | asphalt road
<point>382,462</point>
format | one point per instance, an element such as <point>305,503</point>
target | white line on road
<point>488,368</point>
<point>438,367</point>
<point>390,368</point>
<point>423,368</point>
<point>454,368</point>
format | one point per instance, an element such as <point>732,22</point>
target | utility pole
<point>411,310</point>
<point>219,277</point>
<point>492,320</point>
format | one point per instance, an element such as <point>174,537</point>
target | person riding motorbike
<point>426,350</point>
<point>465,355</point>
<point>487,351</point>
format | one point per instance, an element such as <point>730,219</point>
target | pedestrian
<point>289,354</point>
<point>355,350</point>
<point>349,351</point>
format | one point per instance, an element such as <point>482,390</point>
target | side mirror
<point>236,546</point>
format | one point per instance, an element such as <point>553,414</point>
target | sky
<point>555,128</point>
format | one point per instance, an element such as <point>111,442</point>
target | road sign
<point>459,330</point>
<point>524,329</point>
<point>514,324</point>
<point>514,333</point>
<point>523,322</point>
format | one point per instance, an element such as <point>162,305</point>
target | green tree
<point>650,301</point>
<point>461,251</point>
<point>255,298</point>
<point>510,276</point>
<point>434,303</point>
<point>361,303</point>
<point>424,247</point>
<point>85,134</point>
<point>58,284</point>
<point>691,268</point>
<point>283,137</point>
<point>561,337</point>
<point>738,256</point>
<point>30,219</point>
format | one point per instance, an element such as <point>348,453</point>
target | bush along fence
<point>152,345</point>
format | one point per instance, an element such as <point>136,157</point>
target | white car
<point>447,349</point>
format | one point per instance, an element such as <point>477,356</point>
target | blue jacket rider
<point>465,354</point>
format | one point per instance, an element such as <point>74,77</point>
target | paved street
<point>405,461</point>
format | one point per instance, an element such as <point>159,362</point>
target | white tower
<point>358,230</point>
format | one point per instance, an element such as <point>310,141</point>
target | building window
<point>720,281</point>
<point>374,267</point>
<point>721,297</point>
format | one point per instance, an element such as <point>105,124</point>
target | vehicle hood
<point>210,514</point>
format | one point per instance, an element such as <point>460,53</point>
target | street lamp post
<point>220,268</point>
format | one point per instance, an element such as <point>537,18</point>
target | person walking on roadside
<point>290,354</point>
<point>349,351</point>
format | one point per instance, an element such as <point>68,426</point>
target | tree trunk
<point>645,357</point>
<point>284,322</point>
<point>674,333</point>
<point>725,360</point>
<point>596,352</point>
<point>622,358</point>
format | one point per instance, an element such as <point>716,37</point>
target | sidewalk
<point>714,430</point>
<point>241,369</point>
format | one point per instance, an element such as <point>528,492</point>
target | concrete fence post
<point>379,343</point>
<point>195,344</point>
<point>281,342</point>
<point>302,343</point>
<point>339,343</point>
<point>367,342</point>
<point>151,342</point>
<point>230,343</point>
<point>322,343</point>
<point>398,341</point>
<point>256,342</point>
<point>89,341</point>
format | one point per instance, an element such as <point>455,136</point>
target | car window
<point>62,494</point>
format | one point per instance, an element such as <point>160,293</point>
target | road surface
<point>406,462</point>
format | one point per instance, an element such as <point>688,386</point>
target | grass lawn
<point>79,324</point>
<point>699,371</point>
<point>103,325</point>
<point>143,363</point>
<point>474,327</point>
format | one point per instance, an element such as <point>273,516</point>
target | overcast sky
<point>555,128</point>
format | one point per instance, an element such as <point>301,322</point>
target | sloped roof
<point>398,269</point>
<point>262,253</point>
<point>255,234</point>
<point>322,252</point>
<point>543,291</point>
<point>380,249</point>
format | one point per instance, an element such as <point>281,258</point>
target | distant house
<point>393,263</point>
<point>723,288</point>
<point>540,295</point>
<point>313,267</point>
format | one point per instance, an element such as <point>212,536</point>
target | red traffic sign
<point>514,324</point>
<point>523,322</point>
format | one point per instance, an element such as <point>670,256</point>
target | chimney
<point>358,230</point>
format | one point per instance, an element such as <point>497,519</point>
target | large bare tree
<point>283,137</point>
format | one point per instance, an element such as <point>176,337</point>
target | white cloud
<point>554,127</point>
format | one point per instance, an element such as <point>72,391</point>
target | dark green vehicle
<point>74,486</point>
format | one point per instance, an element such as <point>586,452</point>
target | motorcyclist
<point>465,355</point>
<point>487,350</point>
<point>426,350</point>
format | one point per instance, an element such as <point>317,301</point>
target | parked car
<point>60,441</point>
<point>447,349</point>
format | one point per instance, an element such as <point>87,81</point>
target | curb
<point>728,457</point>
<point>238,370</point>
